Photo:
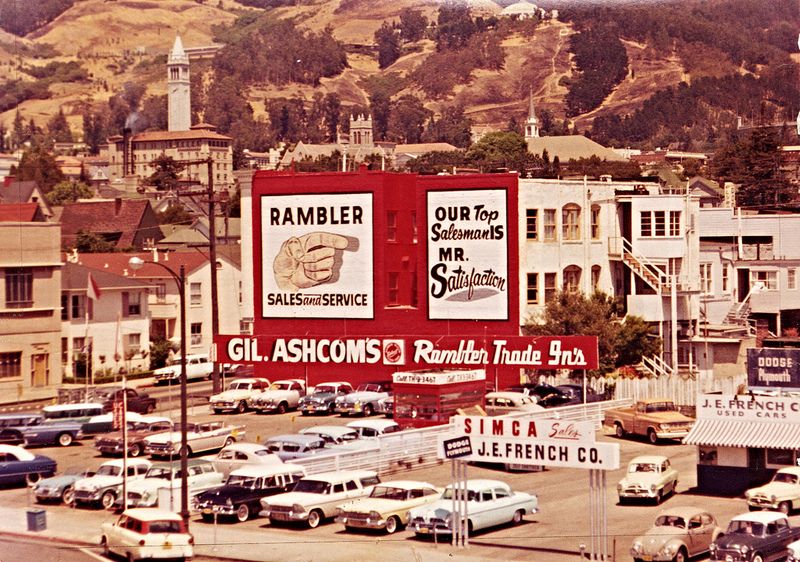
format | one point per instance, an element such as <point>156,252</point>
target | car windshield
<point>241,481</point>
<point>643,467</point>
<point>746,528</point>
<point>312,487</point>
<point>109,470</point>
<point>670,521</point>
<point>661,407</point>
<point>319,389</point>
<point>785,477</point>
<point>159,472</point>
<point>165,526</point>
<point>240,386</point>
<point>389,493</point>
<point>449,494</point>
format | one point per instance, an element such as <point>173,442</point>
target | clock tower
<point>179,110</point>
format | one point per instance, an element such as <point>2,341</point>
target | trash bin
<point>37,520</point>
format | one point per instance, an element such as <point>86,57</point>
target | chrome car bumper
<point>284,514</point>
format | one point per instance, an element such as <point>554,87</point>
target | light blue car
<point>61,487</point>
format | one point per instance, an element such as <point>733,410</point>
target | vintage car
<point>10,425</point>
<point>147,533</point>
<point>296,446</point>
<point>57,432</point>
<point>322,399</point>
<point>386,406</point>
<point>793,550</point>
<point>489,503</point>
<point>387,505</point>
<point>374,428</point>
<point>79,413</point>
<point>60,487</point>
<point>198,367</point>
<point>236,397</point>
<point>575,394</point>
<point>364,400</point>
<point>677,535</point>
<point>755,537</point>
<point>545,395</point>
<point>104,423</point>
<point>111,443</point>
<point>136,401</point>
<point>105,485</point>
<point>239,455</point>
<point>205,436</point>
<point>314,498</point>
<point>240,496</point>
<point>280,397</point>
<point>654,418</point>
<point>508,402</point>
<point>332,434</point>
<point>782,493</point>
<point>200,477</point>
<point>18,465</point>
<point>649,477</point>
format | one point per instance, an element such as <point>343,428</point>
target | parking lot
<point>555,533</point>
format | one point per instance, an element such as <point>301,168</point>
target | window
<point>674,223</point>
<point>134,341</point>
<point>791,278</point>
<point>195,294</point>
<point>161,292</point>
<point>659,222</point>
<point>768,279</point>
<point>595,217</point>
<point>414,231</point>
<point>549,286</point>
<point>532,224</point>
<point>78,306</point>
<point>394,289</point>
<point>19,287</point>
<point>596,277</point>
<point>725,278</point>
<point>391,226</point>
<point>131,303</point>
<point>64,306</point>
<point>10,365</point>
<point>414,289</point>
<point>549,225</point>
<point>572,279</point>
<point>706,286</point>
<point>571,222</point>
<point>533,288</point>
<point>197,333</point>
<point>647,223</point>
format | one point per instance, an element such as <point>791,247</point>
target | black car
<point>240,496</point>
<point>755,537</point>
<point>575,393</point>
<point>12,426</point>
<point>138,402</point>
<point>547,395</point>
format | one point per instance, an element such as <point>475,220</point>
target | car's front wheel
<point>136,450</point>
<point>241,407</point>
<point>229,441</point>
<point>681,555</point>
<point>107,499</point>
<point>652,437</point>
<point>314,518</point>
<point>32,478</point>
<point>392,524</point>
<point>517,518</point>
<point>68,495</point>
<point>757,558</point>
<point>65,439</point>
<point>282,407</point>
<point>368,410</point>
<point>619,431</point>
<point>242,513</point>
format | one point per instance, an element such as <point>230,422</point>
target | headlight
<point>297,508</point>
<point>773,497</point>
<point>374,515</point>
<point>636,547</point>
<point>712,547</point>
<point>653,487</point>
<point>744,549</point>
<point>670,550</point>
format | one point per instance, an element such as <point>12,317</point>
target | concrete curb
<point>48,538</point>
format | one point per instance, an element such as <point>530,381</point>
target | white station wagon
<point>147,533</point>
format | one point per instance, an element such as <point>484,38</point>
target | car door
<point>699,531</point>
<point>779,535</point>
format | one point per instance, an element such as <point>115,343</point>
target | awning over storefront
<point>738,433</point>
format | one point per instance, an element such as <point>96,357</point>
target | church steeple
<point>179,111</point>
<point>532,124</point>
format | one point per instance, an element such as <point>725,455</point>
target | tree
<point>58,128</point>
<point>408,119</point>
<point>454,25</point>
<point>165,176</point>
<point>39,165</point>
<point>619,342</point>
<point>388,41</point>
<point>69,192</point>
<point>380,108</point>
<point>91,243</point>
<point>175,213</point>
<point>93,131</point>
<point>500,149</point>
<point>412,25</point>
<point>331,115</point>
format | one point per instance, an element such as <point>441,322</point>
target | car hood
<point>656,537</point>
<point>276,393</point>
<point>302,498</point>
<point>642,479</point>
<point>669,417</point>
<point>735,540</point>
<point>439,509</point>
<point>381,505</point>
<point>100,481</point>
<point>318,396</point>
<point>222,493</point>
<point>58,481</point>
<point>779,489</point>
<point>231,395</point>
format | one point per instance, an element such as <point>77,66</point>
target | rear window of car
<point>164,527</point>
<point>370,481</point>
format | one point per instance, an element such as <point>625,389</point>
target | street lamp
<point>180,279</point>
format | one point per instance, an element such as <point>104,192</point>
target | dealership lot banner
<point>769,367</point>
<point>316,255</point>
<point>413,352</point>
<point>468,254</point>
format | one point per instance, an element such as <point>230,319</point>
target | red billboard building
<point>361,275</point>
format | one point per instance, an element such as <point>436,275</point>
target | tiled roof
<point>18,192</point>
<point>423,148</point>
<point>153,136</point>
<point>117,263</point>
<point>75,277</point>
<point>19,212</point>
<point>105,216</point>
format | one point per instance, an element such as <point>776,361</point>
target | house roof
<point>572,147</point>
<point>18,192</point>
<point>20,212</point>
<point>105,216</point>
<point>152,136</point>
<point>117,263</point>
<point>738,433</point>
<point>74,277</point>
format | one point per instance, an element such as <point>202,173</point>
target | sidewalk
<point>33,397</point>
<point>234,543</point>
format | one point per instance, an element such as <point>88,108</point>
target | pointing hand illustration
<point>307,261</point>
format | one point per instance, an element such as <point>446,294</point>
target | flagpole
<point>124,442</point>
<point>87,350</point>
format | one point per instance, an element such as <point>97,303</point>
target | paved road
<point>553,535</point>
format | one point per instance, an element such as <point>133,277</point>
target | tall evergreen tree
<point>58,128</point>
<point>380,108</point>
<point>388,40</point>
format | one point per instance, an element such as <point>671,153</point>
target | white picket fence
<point>681,389</point>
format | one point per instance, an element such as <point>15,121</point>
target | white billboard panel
<point>467,237</point>
<point>317,255</point>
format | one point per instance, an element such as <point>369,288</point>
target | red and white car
<point>147,533</point>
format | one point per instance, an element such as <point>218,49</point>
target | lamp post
<point>180,279</point>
